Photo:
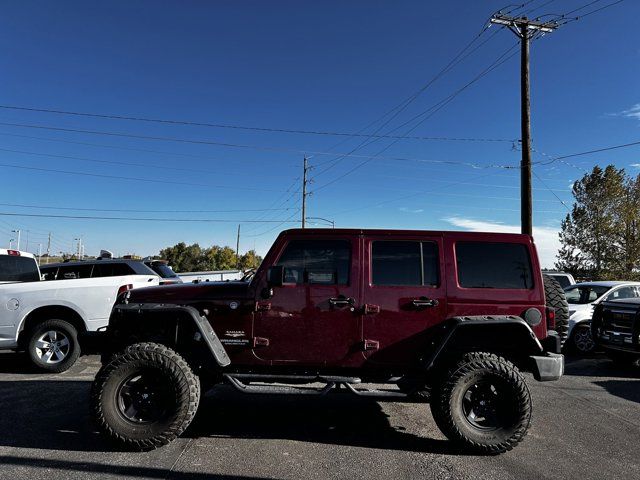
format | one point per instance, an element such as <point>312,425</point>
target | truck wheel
<point>145,397</point>
<point>53,345</point>
<point>483,404</point>
<point>556,299</point>
<point>582,340</point>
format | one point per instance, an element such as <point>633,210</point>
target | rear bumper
<point>548,367</point>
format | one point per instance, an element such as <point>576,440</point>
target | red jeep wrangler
<point>452,316</point>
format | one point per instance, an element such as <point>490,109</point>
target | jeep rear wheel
<point>556,299</point>
<point>53,346</point>
<point>483,404</point>
<point>145,397</point>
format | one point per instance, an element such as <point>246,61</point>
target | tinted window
<point>48,273</point>
<point>562,280</point>
<point>624,292</point>
<point>316,261</point>
<point>70,272</point>
<point>493,265</point>
<point>584,294</point>
<point>111,269</point>
<point>404,263</point>
<point>162,269</point>
<point>18,269</point>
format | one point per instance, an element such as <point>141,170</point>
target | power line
<point>237,127</point>
<point>48,207</point>
<point>433,109</point>
<point>138,219</point>
<point>589,152</point>
<point>550,190</point>
<point>137,179</point>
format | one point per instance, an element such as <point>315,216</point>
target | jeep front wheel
<point>145,397</point>
<point>483,404</point>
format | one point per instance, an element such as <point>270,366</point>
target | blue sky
<point>323,66</point>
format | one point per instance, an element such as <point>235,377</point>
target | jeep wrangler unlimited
<point>455,316</point>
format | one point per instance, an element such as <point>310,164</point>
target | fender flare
<point>483,331</point>
<point>201,323</point>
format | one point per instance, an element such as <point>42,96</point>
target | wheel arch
<point>50,312</point>
<point>508,336</point>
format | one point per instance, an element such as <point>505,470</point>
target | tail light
<point>15,253</point>
<point>551,318</point>
<point>124,288</point>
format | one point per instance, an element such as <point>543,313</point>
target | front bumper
<point>547,367</point>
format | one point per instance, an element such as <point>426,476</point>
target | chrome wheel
<point>52,347</point>
<point>583,340</point>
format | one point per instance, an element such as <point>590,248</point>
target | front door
<point>313,318</point>
<point>404,295</point>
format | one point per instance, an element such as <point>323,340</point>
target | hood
<point>190,292</point>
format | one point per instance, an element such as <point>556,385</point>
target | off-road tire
<point>63,330</point>
<point>556,299</point>
<point>183,396</point>
<point>448,396</point>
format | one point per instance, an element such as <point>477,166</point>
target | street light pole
<point>17,232</point>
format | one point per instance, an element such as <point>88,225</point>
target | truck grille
<point>617,321</point>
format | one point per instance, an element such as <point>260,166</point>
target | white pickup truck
<point>45,318</point>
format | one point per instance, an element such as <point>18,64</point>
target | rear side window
<point>18,269</point>
<point>111,269</point>
<point>48,273</point>
<point>162,269</point>
<point>71,272</point>
<point>493,265</point>
<point>404,263</point>
<point>324,262</point>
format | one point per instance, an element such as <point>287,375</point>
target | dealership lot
<point>585,426</point>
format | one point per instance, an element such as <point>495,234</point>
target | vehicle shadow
<point>621,388</point>
<point>54,415</point>
<point>14,362</point>
<point>338,419</point>
<point>598,366</point>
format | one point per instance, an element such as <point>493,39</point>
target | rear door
<point>404,295</point>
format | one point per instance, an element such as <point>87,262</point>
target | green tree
<point>185,258</point>
<point>222,258</point>
<point>250,260</point>
<point>600,236</point>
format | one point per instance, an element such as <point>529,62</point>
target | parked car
<point>95,269</point>
<point>582,299</point>
<point>163,270</point>
<point>616,329</point>
<point>46,319</point>
<point>451,315</point>
<point>564,279</point>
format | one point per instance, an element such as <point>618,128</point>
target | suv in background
<point>164,271</point>
<point>582,299</point>
<point>451,315</point>
<point>564,279</point>
<point>94,269</point>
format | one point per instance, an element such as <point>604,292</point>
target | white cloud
<point>409,210</point>
<point>546,238</point>
<point>633,112</point>
<point>636,165</point>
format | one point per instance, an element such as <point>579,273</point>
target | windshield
<point>163,270</point>
<point>581,295</point>
<point>18,269</point>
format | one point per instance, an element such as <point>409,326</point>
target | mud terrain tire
<point>483,404</point>
<point>555,298</point>
<point>145,397</point>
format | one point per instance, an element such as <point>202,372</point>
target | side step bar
<point>240,382</point>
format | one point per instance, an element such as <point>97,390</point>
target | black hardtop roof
<point>391,232</point>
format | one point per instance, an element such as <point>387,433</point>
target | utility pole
<point>238,248</point>
<point>304,191</point>
<point>525,29</point>
<point>17,232</point>
<point>27,247</point>
<point>39,252</point>
<point>48,248</point>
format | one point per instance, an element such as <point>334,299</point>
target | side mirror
<point>275,276</point>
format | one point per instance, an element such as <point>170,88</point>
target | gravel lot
<point>585,426</point>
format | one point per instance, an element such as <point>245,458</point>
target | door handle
<point>342,301</point>
<point>424,302</point>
